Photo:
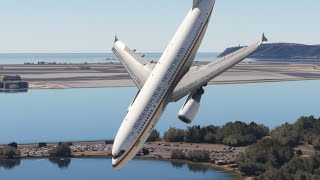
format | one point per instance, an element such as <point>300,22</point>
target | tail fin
<point>195,3</point>
<point>264,38</point>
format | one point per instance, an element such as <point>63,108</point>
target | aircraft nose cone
<point>115,164</point>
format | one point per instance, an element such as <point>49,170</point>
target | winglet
<point>264,38</point>
<point>195,3</point>
<point>116,38</point>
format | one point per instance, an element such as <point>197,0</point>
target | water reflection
<point>62,163</point>
<point>191,166</point>
<point>9,164</point>
<point>99,168</point>
<point>177,164</point>
<point>13,91</point>
<point>198,167</point>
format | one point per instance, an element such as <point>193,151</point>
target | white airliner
<point>169,80</point>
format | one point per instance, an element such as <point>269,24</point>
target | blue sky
<point>148,25</point>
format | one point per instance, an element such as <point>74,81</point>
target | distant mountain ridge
<point>281,51</point>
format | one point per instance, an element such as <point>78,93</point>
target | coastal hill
<point>281,51</point>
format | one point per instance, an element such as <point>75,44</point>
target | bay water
<point>100,168</point>
<point>96,113</point>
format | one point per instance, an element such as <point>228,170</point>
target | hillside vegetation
<point>281,51</point>
<point>232,134</point>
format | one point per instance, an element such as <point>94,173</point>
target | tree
<point>274,174</point>
<point>14,145</point>
<point>249,169</point>
<point>198,156</point>
<point>194,134</point>
<point>264,155</point>
<point>174,135</point>
<point>62,150</point>
<point>241,134</point>
<point>153,136</point>
<point>42,144</point>
<point>210,138</point>
<point>286,135</point>
<point>178,154</point>
<point>306,129</point>
<point>10,152</point>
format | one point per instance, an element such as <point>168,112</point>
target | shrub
<point>145,151</point>
<point>316,143</point>
<point>198,156</point>
<point>62,150</point>
<point>249,169</point>
<point>274,174</point>
<point>178,154</point>
<point>9,152</point>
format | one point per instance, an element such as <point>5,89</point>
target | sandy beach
<point>62,76</point>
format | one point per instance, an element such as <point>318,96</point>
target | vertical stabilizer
<point>195,3</point>
<point>264,38</point>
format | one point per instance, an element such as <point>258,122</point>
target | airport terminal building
<point>11,83</point>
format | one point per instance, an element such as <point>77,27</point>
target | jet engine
<point>191,107</point>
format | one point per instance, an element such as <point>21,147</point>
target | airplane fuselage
<point>148,106</point>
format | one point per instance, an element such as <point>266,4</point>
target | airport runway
<point>114,75</point>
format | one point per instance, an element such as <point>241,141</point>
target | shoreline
<point>232,171</point>
<point>222,157</point>
<point>159,150</point>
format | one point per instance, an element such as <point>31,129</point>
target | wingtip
<point>264,39</point>
<point>116,38</point>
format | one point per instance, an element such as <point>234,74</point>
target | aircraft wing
<point>136,66</point>
<point>202,75</point>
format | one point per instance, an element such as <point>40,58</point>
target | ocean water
<point>82,169</point>
<point>67,58</point>
<point>96,113</point>
<point>21,58</point>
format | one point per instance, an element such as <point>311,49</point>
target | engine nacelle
<point>191,107</point>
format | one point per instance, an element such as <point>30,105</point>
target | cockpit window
<point>118,155</point>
